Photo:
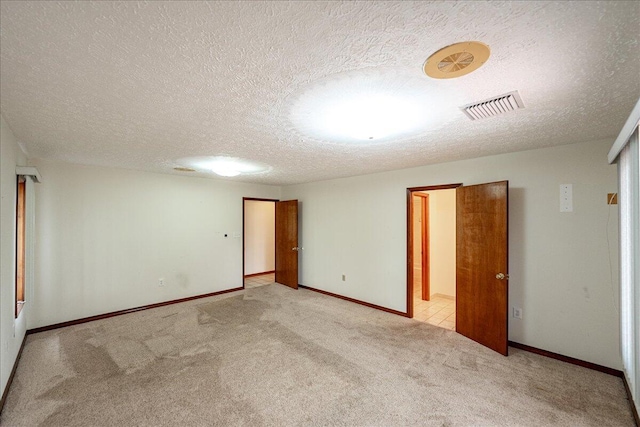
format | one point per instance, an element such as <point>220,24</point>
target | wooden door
<point>426,266</point>
<point>481,264</point>
<point>287,243</point>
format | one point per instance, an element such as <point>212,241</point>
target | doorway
<point>258,231</point>
<point>269,242</point>
<point>433,228</point>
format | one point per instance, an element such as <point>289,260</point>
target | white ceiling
<point>140,85</point>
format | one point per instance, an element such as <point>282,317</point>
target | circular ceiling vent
<point>456,60</point>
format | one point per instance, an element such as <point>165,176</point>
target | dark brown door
<point>482,287</point>
<point>287,243</point>
<point>426,266</point>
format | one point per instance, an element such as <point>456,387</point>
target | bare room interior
<point>373,213</point>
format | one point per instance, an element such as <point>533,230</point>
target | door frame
<point>425,244</point>
<point>410,195</point>
<point>243,234</point>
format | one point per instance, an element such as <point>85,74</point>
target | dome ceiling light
<point>371,106</point>
<point>456,60</point>
<point>371,115</point>
<point>223,165</point>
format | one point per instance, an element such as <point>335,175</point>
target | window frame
<point>21,244</point>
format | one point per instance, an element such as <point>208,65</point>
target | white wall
<point>106,237</point>
<point>12,330</point>
<point>558,262</point>
<point>259,236</point>
<point>442,242</point>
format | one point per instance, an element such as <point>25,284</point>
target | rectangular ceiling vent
<point>494,107</point>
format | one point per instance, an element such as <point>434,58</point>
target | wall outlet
<point>517,312</point>
<point>161,282</point>
<point>344,277</point>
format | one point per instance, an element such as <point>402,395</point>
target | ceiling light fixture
<point>225,170</point>
<point>224,166</point>
<point>372,105</point>
<point>372,115</point>
<point>456,60</point>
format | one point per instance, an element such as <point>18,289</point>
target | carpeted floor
<point>279,357</point>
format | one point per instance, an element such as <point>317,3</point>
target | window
<point>20,243</point>
<point>629,175</point>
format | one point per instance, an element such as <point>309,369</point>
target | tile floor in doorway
<point>439,311</point>
<point>261,280</point>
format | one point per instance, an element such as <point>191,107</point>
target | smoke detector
<point>494,106</point>
<point>456,60</point>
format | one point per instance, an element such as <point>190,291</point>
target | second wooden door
<point>287,243</point>
<point>482,288</point>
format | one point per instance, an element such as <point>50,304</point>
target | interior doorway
<point>258,241</point>
<point>433,255</point>
<point>269,242</point>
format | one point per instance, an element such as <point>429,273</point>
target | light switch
<point>566,197</point>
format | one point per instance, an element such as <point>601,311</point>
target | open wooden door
<point>426,267</point>
<point>482,287</point>
<point>287,243</point>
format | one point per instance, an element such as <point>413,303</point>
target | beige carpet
<point>275,356</point>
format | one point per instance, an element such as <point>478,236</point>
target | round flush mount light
<point>223,165</point>
<point>371,115</point>
<point>370,106</point>
<point>456,60</point>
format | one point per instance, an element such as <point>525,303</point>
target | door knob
<point>502,276</point>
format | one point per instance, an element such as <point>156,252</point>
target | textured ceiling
<point>140,85</point>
